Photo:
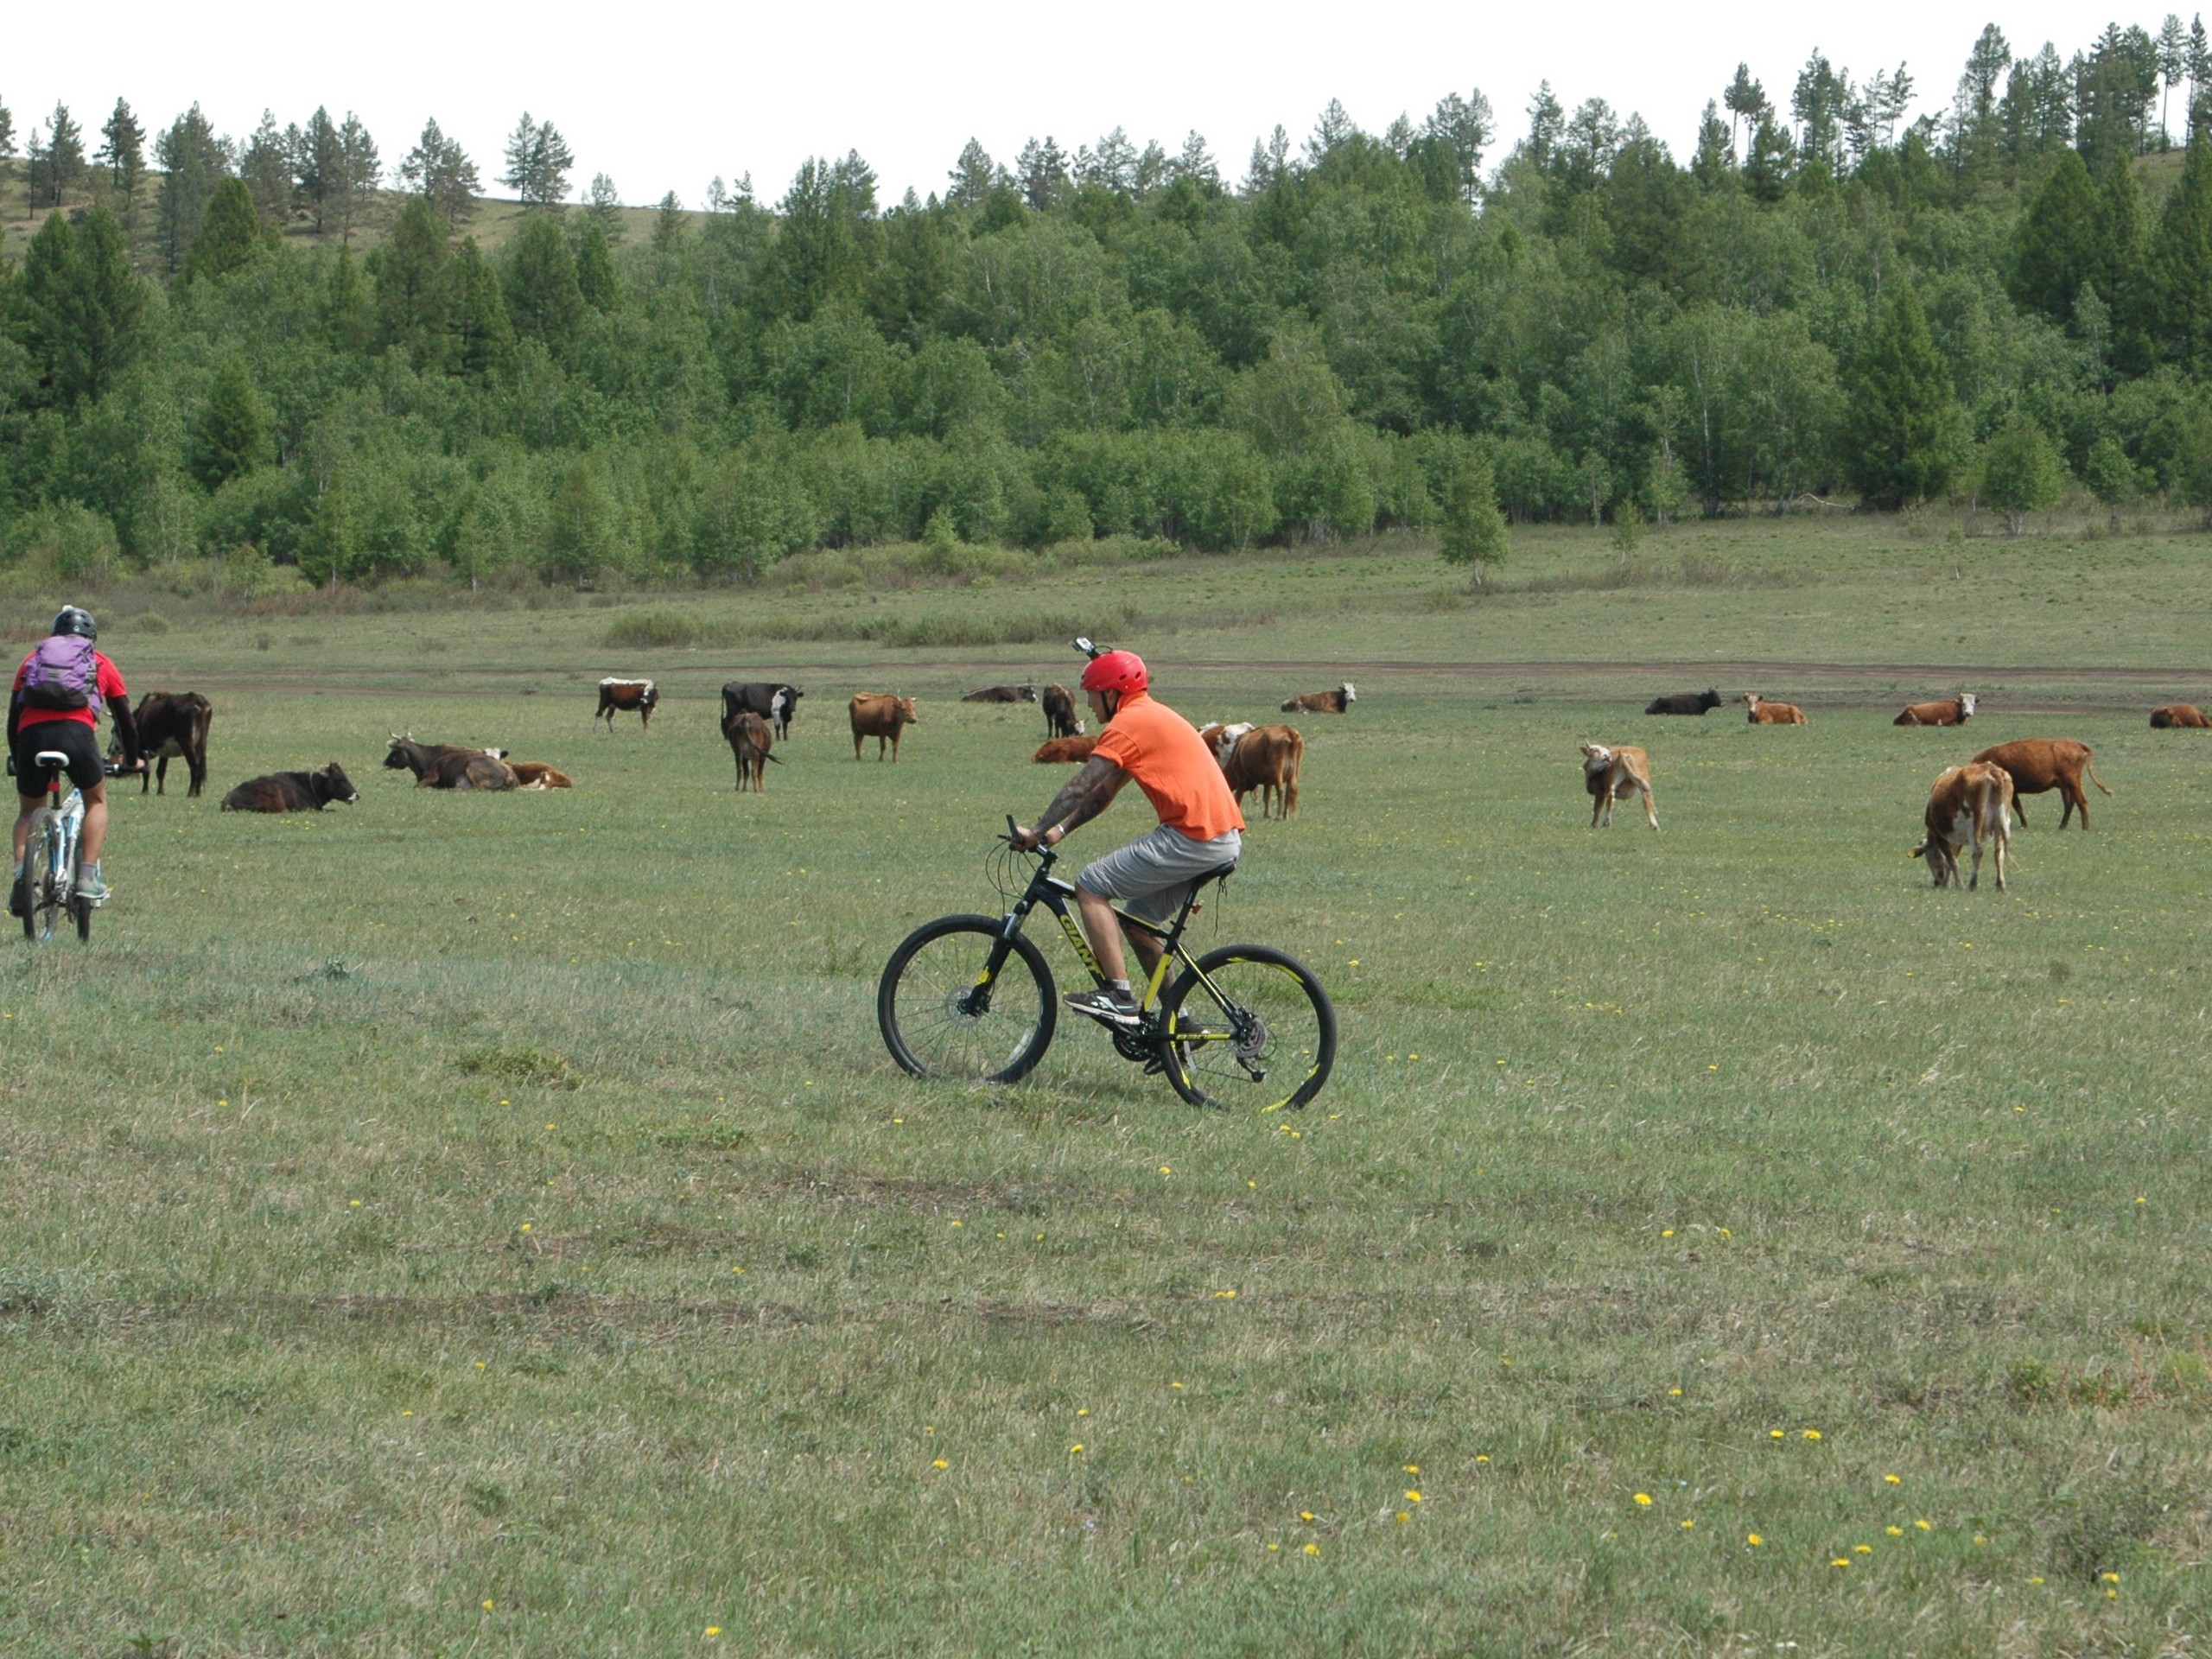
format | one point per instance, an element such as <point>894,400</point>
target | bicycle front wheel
<point>957,1001</point>
<point>1248,1026</point>
<point>42,899</point>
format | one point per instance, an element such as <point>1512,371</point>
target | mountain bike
<point>50,860</point>
<point>971,998</point>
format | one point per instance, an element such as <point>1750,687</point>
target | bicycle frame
<point>1053,892</point>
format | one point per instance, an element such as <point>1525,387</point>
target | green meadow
<point>492,1225</point>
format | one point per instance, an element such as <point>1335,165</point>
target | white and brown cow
<point>1951,711</point>
<point>1322,703</point>
<point>625,696</point>
<point>1613,772</point>
<point>1766,712</point>
<point>1969,803</point>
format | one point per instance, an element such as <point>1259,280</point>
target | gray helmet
<point>75,619</point>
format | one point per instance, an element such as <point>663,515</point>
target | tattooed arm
<point>1084,797</point>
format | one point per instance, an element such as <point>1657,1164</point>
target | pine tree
<point>358,183</point>
<point>124,155</point>
<point>2179,273</point>
<point>1041,172</point>
<point>538,161</point>
<point>1196,162</point>
<point>972,176</point>
<point>2117,255</point>
<point>481,339</point>
<point>65,156</point>
<point>1474,530</point>
<point>1903,431</point>
<point>439,172</point>
<point>1746,102</point>
<point>7,133</point>
<point>1546,120</point>
<point>543,300</point>
<point>411,287</point>
<point>348,315</point>
<point>2055,245</point>
<point>603,203</point>
<point>82,308</point>
<point>268,169</point>
<point>230,437</point>
<point>231,235</point>
<point>668,226</point>
<point>192,159</point>
<point>595,279</point>
<point>2173,67</point>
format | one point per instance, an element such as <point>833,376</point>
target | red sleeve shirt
<point>110,682</point>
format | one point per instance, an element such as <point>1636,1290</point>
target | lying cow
<point>1064,751</point>
<point>293,792</point>
<point>750,741</point>
<point>1023,693</point>
<point>535,774</point>
<point>625,695</point>
<point>2037,764</point>
<point>1061,719</point>
<point>1265,758</point>
<point>1951,711</point>
<point>2173,714</point>
<point>1322,703</point>
<point>447,766</point>
<point>1613,772</point>
<point>771,700</point>
<point>1763,713</point>
<point>171,725</point>
<point>882,717</point>
<point>1972,803</point>
<point>1684,703</point>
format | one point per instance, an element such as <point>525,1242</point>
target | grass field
<point>461,1224</point>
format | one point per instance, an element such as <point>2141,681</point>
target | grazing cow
<point>1971,803</point>
<point>447,766</point>
<point>881,717</point>
<point>535,774</point>
<point>625,694</point>
<point>1322,703</point>
<point>750,740</point>
<point>1023,693</point>
<point>1951,711</point>
<point>1612,773</point>
<point>771,700</point>
<point>1060,713</point>
<point>292,791</point>
<point>171,725</point>
<point>1763,713</point>
<point>1684,703</point>
<point>1064,751</point>
<point>1265,758</point>
<point>2037,764</point>
<point>2173,714</point>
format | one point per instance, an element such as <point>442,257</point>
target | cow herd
<point>1968,806</point>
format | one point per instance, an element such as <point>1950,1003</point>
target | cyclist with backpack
<point>55,706</point>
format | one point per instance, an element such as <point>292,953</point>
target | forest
<point>291,359</point>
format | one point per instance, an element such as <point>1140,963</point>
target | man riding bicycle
<point>53,707</point>
<point>1199,831</point>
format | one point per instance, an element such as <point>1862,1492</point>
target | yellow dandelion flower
<point>1412,1468</point>
<point>1862,1550</point>
<point>488,1600</point>
<point>1273,1547</point>
<point>1841,1560</point>
<point>714,1630</point>
<point>1083,1411</point>
<point>1643,1500</point>
<point>1812,1433</point>
<point>1482,1457</point>
<point>1724,1233</point>
<point>2034,1580</point>
<point>407,1414</point>
<point>1892,1479</point>
<point>1894,1532</point>
<point>1689,1526</point>
<point>1174,1385</point>
<point>1774,1435</point>
<point>940,1464</point>
<point>1753,1540</point>
<point>1305,1515</point>
<point>526,1226</point>
<point>2109,1578</point>
<point>957,1223</point>
<point>2112,1595</point>
<point>1075,1449</point>
<point>1411,1497</point>
<point>1404,1515</point>
<point>1166,1169</point>
<point>1922,1525</point>
<point>1224,1295</point>
<point>1980,1538</point>
<point>1666,1232</point>
<point>1673,1394</point>
<point>1313,1549</point>
<point>353,1204</point>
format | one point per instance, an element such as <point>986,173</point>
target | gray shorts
<point>1154,873</point>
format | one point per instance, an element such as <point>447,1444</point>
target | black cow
<point>447,766</point>
<point>1060,713</point>
<point>771,700</point>
<point>293,792</point>
<point>1683,702</point>
<point>1023,693</point>
<point>171,725</point>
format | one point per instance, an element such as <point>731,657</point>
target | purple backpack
<point>62,674</point>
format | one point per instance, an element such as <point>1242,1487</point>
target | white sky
<point>662,96</point>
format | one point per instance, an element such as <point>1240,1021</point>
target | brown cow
<point>1763,713</point>
<point>1060,713</point>
<point>1951,711</point>
<point>1064,751</point>
<point>2173,714</point>
<point>750,741</point>
<point>1265,758</point>
<point>171,725</point>
<point>1322,703</point>
<point>881,717</point>
<point>535,774</point>
<point>627,695</point>
<point>1972,803</point>
<point>2037,764</point>
<point>1025,692</point>
<point>1611,774</point>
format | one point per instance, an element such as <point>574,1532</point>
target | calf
<point>1763,713</point>
<point>771,700</point>
<point>1971,803</point>
<point>292,791</point>
<point>1023,693</point>
<point>1060,713</point>
<point>173,725</point>
<point>618,695</point>
<point>535,774</point>
<point>1064,751</point>
<point>447,766</point>
<point>1611,774</point>
<point>750,741</point>
<point>2173,714</point>
<point>1268,758</point>
<point>1322,703</point>
<point>1684,703</point>
<point>881,717</point>
<point>1951,711</point>
<point>2036,764</point>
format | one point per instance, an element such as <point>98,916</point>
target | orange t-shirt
<point>1163,752</point>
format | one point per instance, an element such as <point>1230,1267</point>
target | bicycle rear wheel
<point>44,902</point>
<point>956,1002</point>
<point>1250,1027</point>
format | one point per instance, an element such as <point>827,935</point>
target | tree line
<point>270,350</point>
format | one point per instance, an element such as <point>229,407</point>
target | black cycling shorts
<point>71,737</point>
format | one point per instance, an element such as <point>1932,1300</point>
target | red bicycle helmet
<point>1116,671</point>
